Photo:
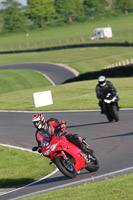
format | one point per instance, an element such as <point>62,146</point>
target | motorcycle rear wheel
<point>92,164</point>
<point>66,168</point>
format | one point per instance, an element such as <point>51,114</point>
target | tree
<point>41,11</point>
<point>111,4</point>
<point>69,10</point>
<point>1,22</point>
<point>13,16</point>
<point>124,5</point>
<point>94,7</point>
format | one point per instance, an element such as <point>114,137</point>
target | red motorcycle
<point>68,158</point>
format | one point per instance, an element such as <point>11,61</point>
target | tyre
<point>115,113</point>
<point>107,113</point>
<point>109,117</point>
<point>65,166</point>
<point>92,163</point>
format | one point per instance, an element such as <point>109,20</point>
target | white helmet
<point>101,80</point>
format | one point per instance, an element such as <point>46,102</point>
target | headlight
<point>53,147</point>
<point>46,153</point>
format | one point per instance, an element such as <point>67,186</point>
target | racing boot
<point>85,149</point>
<point>75,140</point>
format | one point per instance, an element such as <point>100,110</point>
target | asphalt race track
<point>112,143</point>
<point>55,72</point>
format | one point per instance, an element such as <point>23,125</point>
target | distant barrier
<point>124,44</point>
<point>123,71</point>
<point>120,63</point>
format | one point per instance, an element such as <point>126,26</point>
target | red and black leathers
<point>49,128</point>
<point>53,125</point>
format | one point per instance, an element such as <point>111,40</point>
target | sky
<point>23,2</point>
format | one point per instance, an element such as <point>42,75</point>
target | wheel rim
<point>68,165</point>
<point>93,160</point>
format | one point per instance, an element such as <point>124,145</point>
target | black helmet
<point>102,80</point>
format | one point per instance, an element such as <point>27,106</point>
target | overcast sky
<point>23,2</point>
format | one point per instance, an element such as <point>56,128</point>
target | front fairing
<point>49,144</point>
<point>64,147</point>
<point>46,145</point>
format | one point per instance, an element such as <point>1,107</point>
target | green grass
<point>21,167</point>
<point>119,188</point>
<point>18,80</point>
<point>69,34</point>
<point>18,86</point>
<point>81,59</point>
<point>65,97</point>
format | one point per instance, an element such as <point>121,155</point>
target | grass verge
<point>69,34</point>
<point>118,188</point>
<point>16,93</point>
<point>72,96</point>
<point>81,59</point>
<point>21,167</point>
<point>18,80</point>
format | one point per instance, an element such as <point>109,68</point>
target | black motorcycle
<point>110,107</point>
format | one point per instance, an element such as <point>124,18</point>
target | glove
<point>35,148</point>
<point>63,127</point>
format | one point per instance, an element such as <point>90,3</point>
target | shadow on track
<point>91,124</point>
<point>61,178</point>
<point>112,136</point>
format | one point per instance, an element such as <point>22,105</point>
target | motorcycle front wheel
<point>115,113</point>
<point>109,117</point>
<point>107,112</point>
<point>65,166</point>
<point>92,163</point>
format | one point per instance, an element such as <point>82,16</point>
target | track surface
<point>56,73</point>
<point>112,143</point>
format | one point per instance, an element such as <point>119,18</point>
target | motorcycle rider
<point>103,88</point>
<point>46,129</point>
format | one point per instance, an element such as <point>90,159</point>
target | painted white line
<point>50,80</point>
<point>92,179</point>
<point>58,111</point>
<point>72,183</point>
<point>15,147</point>
<point>48,111</point>
<point>23,149</point>
<point>31,183</point>
<point>75,72</point>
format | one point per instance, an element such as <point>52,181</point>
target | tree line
<point>42,13</point>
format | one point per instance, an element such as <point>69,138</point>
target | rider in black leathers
<point>103,88</point>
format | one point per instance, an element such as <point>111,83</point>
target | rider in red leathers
<point>46,129</point>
